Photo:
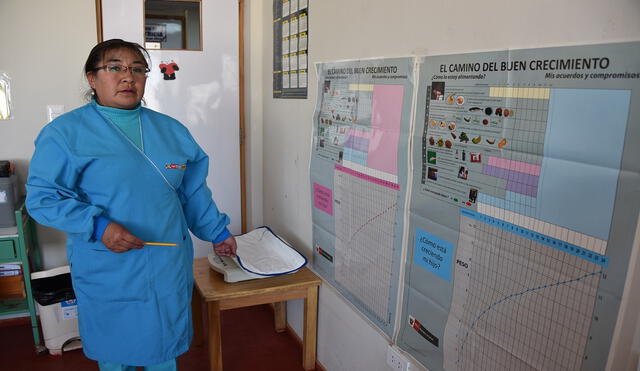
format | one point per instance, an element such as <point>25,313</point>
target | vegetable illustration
<point>464,137</point>
<point>477,139</point>
<point>502,143</point>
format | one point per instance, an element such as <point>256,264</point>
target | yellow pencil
<point>161,244</point>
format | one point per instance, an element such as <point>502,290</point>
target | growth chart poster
<point>358,180</point>
<point>523,209</point>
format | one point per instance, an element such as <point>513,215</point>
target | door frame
<point>241,105</point>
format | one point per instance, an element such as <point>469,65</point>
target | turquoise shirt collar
<point>116,111</point>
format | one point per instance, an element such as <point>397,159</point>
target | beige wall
<point>43,48</point>
<point>376,28</point>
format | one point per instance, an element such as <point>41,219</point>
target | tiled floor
<point>249,343</point>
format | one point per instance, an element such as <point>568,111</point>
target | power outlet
<point>396,361</point>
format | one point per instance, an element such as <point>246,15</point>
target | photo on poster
<point>437,90</point>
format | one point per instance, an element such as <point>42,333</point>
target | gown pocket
<point>102,275</point>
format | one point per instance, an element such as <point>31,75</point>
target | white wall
<point>43,47</point>
<point>374,28</point>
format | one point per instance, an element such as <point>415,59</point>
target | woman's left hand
<point>227,247</point>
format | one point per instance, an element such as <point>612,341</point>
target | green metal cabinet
<point>19,245</point>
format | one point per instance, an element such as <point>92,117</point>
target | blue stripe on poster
<point>563,246</point>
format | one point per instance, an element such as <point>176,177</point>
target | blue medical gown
<point>134,307</point>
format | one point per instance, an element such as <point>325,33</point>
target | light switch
<point>54,110</point>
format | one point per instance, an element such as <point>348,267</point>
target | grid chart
<point>585,241</point>
<point>527,127</point>
<point>521,171</point>
<point>519,304</point>
<point>365,218</point>
<point>510,177</point>
<point>519,164</point>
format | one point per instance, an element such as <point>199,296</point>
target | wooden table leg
<point>215,340</point>
<point>310,329</point>
<point>196,314</point>
<point>280,315</point>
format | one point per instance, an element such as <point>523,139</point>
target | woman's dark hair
<point>98,52</point>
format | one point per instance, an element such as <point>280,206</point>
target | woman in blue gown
<point>114,175</point>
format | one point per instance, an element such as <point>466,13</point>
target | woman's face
<point>123,89</point>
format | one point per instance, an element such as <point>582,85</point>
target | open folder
<point>261,253</point>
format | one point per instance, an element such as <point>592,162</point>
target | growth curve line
<point>370,220</point>
<point>529,290</point>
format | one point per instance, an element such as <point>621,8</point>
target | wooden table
<point>219,295</point>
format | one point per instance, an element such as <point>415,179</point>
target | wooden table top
<point>212,286</point>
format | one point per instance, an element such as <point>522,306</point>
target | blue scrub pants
<point>165,366</point>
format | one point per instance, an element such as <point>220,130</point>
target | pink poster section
<point>386,113</point>
<point>323,198</point>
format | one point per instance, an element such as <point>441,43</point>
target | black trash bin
<point>52,290</point>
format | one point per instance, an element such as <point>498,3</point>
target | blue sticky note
<point>433,254</point>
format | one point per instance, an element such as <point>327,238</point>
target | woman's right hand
<point>118,239</point>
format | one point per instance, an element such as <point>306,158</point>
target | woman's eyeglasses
<point>138,71</point>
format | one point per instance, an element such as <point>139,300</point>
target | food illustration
<point>459,100</point>
<point>485,122</point>
<point>443,124</point>
<point>507,112</point>
<point>467,119</point>
<point>490,141</point>
<point>440,142</point>
<point>433,141</point>
<point>502,143</point>
<point>450,99</point>
<point>477,139</point>
<point>463,137</point>
<point>452,126</point>
<point>488,111</point>
<point>498,111</point>
<point>453,135</point>
<point>447,143</point>
<point>433,123</point>
<point>475,109</point>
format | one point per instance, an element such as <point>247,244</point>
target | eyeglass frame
<point>125,69</point>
